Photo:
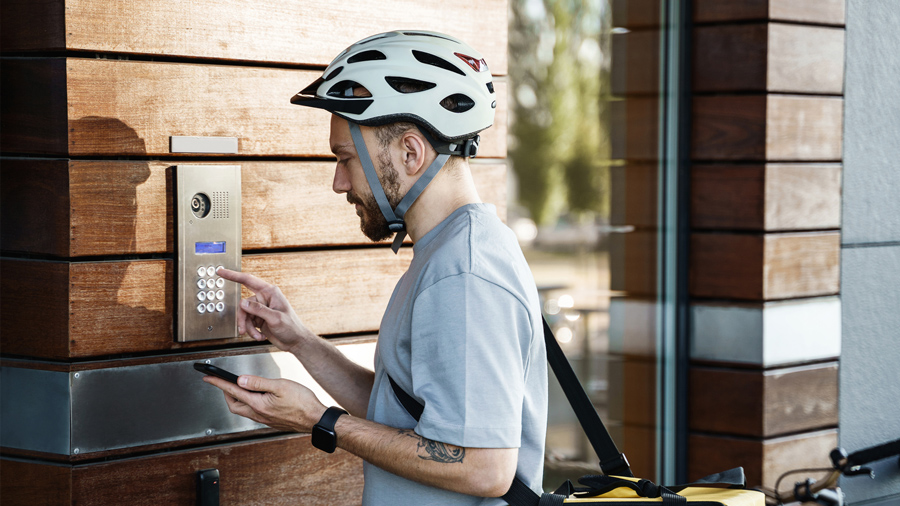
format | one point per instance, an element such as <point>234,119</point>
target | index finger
<point>249,280</point>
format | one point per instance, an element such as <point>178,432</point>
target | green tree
<point>558,74</point>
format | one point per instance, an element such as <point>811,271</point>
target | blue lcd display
<point>204,248</point>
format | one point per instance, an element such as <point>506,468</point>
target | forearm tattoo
<point>435,450</point>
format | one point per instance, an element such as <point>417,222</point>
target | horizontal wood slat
<point>278,470</point>
<point>635,13</point>
<point>635,62</point>
<point>88,208</point>
<point>636,136</point>
<point>301,32</point>
<point>767,127</point>
<point>106,308</point>
<point>773,57</point>
<point>634,194</point>
<point>132,108</point>
<point>632,262</point>
<point>763,460</point>
<point>767,197</point>
<point>632,390</point>
<point>763,403</point>
<point>33,117</point>
<point>765,267</point>
<point>830,12</point>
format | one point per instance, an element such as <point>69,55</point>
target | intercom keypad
<point>208,211</point>
<point>207,291</point>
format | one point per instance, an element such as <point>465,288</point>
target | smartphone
<point>218,372</point>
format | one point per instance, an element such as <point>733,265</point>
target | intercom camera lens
<point>200,205</point>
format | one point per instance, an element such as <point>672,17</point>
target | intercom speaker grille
<point>220,205</point>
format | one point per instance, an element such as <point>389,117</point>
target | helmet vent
<point>376,37</point>
<point>458,103</point>
<point>334,73</point>
<point>367,56</point>
<point>490,86</point>
<point>423,34</point>
<point>437,61</point>
<point>344,89</point>
<point>407,85</point>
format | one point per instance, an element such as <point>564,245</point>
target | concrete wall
<point>870,264</point>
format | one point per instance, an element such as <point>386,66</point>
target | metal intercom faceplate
<point>208,212</point>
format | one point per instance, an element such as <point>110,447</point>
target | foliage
<point>559,70</point>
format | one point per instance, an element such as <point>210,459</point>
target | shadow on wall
<point>124,304</point>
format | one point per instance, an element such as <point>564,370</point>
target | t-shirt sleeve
<point>468,345</point>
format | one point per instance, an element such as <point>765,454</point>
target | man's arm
<point>482,472</point>
<point>286,405</point>
<point>268,315</point>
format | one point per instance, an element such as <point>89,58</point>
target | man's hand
<point>282,404</point>
<point>267,314</point>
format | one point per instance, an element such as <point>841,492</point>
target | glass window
<point>584,200</point>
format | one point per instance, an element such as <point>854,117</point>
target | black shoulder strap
<point>413,407</point>
<point>612,462</point>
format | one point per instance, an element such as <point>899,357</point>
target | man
<point>462,333</point>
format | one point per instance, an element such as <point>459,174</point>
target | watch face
<point>324,439</point>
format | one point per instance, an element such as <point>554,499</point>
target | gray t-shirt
<point>463,335</point>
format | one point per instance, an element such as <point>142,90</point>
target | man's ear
<point>414,151</point>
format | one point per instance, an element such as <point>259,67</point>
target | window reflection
<point>584,126</point>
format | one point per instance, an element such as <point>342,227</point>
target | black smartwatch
<point>323,436</point>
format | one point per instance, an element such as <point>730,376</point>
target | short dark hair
<point>387,133</point>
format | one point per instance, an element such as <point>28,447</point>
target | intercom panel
<point>208,213</point>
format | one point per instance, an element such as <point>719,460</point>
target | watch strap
<point>330,418</point>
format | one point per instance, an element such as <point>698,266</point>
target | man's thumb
<point>255,383</point>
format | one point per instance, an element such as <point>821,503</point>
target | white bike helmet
<point>433,80</point>
<point>409,74</point>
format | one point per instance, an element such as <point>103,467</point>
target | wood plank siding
<point>765,200</point>
<point>93,91</point>
<point>107,207</point>
<point>114,107</point>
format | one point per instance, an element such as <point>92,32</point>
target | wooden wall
<point>92,91</point>
<point>766,119</point>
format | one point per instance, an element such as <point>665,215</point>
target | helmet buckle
<point>396,226</point>
<point>470,148</point>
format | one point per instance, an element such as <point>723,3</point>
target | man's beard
<point>372,222</point>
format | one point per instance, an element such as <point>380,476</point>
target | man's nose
<point>341,183</point>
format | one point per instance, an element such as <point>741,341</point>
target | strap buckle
<point>470,147</point>
<point>396,226</point>
<point>617,466</point>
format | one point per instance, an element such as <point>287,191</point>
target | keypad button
<point>220,294</point>
<point>210,307</point>
<point>210,271</point>
<point>201,296</point>
<point>201,284</point>
<point>210,283</point>
<point>210,295</point>
<point>201,308</point>
<point>220,267</point>
<point>220,282</point>
<point>201,271</point>
<point>220,306</point>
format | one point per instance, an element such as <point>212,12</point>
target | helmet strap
<point>466,149</point>
<point>394,217</point>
